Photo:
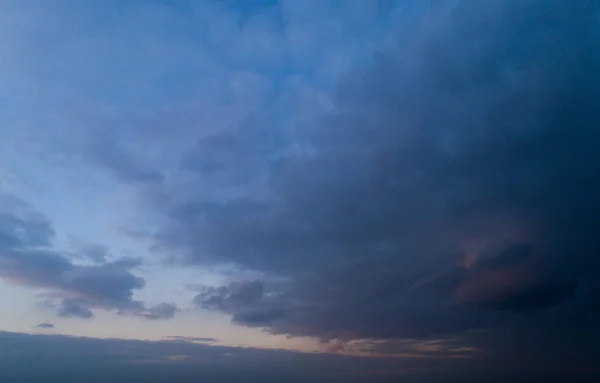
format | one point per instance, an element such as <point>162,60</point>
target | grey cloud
<point>38,266</point>
<point>20,226</point>
<point>245,301</point>
<point>245,293</point>
<point>45,326</point>
<point>258,317</point>
<point>514,279</point>
<point>452,188</point>
<point>128,144</point>
<point>162,311</point>
<point>93,252</point>
<point>248,147</point>
<point>124,167</point>
<point>28,259</point>
<point>110,282</point>
<point>106,151</point>
<point>72,308</point>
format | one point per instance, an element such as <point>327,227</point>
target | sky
<point>331,190</point>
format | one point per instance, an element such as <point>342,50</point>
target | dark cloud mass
<point>54,359</point>
<point>27,258</point>
<point>452,188</point>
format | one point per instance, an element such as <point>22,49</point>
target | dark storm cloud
<point>27,258</point>
<point>453,187</point>
<point>509,281</point>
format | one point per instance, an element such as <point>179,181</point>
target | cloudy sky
<point>349,189</point>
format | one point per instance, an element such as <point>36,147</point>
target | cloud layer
<point>43,358</point>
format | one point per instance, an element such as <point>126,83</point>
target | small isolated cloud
<point>45,326</point>
<point>162,311</point>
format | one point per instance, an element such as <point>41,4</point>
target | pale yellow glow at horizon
<point>25,314</point>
